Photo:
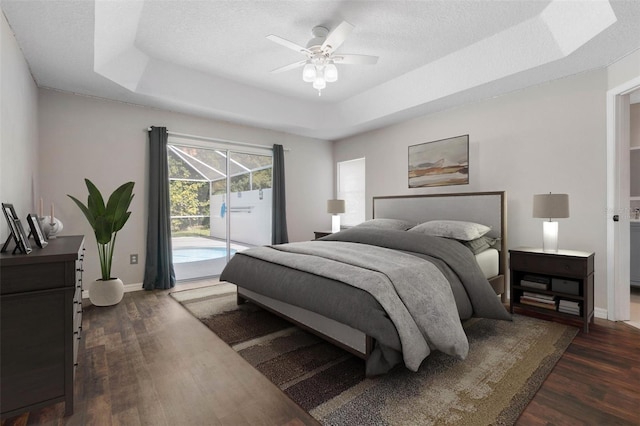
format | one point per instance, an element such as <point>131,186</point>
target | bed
<point>364,289</point>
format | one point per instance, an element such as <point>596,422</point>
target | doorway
<point>619,200</point>
<point>220,205</point>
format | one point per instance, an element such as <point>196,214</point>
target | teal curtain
<point>279,215</point>
<point>158,270</point>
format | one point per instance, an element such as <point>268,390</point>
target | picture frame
<point>439,163</point>
<point>17,231</point>
<point>36,230</point>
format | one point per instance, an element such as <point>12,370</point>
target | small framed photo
<point>36,230</point>
<point>17,231</point>
<point>23,237</point>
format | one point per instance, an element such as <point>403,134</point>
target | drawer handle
<point>76,332</point>
<point>76,364</point>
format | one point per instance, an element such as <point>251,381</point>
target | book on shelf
<point>538,304</point>
<point>569,307</point>
<point>534,284</point>
<point>535,299</point>
<point>570,311</point>
<point>537,279</point>
<point>569,304</point>
<point>539,295</point>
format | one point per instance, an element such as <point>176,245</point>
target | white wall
<point>549,138</point>
<point>18,130</point>
<point>105,141</point>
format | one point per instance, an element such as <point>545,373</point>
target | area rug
<point>507,363</point>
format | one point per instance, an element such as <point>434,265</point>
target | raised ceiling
<point>212,58</point>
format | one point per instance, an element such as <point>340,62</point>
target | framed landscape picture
<point>439,163</point>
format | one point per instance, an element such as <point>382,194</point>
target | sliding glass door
<point>220,204</point>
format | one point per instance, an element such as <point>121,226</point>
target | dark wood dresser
<point>40,325</point>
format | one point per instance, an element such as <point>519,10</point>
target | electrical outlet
<point>133,259</point>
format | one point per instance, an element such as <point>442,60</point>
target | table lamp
<point>552,206</point>
<point>335,207</point>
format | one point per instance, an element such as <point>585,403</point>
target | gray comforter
<point>409,275</point>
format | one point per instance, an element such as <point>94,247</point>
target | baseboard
<point>600,313</point>
<point>128,288</point>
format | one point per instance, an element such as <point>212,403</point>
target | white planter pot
<point>106,293</point>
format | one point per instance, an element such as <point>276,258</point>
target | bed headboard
<point>487,208</point>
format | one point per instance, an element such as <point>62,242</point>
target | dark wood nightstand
<point>320,234</point>
<point>558,284</point>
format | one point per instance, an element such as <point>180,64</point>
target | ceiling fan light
<point>309,73</point>
<point>319,83</point>
<point>331,73</point>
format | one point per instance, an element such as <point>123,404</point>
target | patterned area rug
<point>507,363</point>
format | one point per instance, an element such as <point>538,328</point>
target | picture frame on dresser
<point>36,230</point>
<point>16,230</point>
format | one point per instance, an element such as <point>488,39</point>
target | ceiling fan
<point>321,57</point>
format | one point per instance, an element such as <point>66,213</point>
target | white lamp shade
<point>331,73</point>
<point>309,73</point>
<point>335,206</point>
<point>319,83</point>
<point>551,206</point>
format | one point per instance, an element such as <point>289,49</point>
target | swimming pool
<point>195,254</point>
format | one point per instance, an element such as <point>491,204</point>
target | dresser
<point>40,325</point>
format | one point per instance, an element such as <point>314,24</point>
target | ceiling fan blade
<point>289,44</point>
<point>355,59</point>
<point>290,66</point>
<point>336,37</point>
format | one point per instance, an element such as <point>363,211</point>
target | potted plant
<point>106,221</point>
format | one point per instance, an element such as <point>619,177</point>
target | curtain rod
<point>205,138</point>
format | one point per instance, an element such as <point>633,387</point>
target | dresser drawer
<point>550,265</point>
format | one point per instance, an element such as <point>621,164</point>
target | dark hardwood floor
<point>148,361</point>
<point>596,382</point>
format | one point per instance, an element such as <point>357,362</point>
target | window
<point>351,186</point>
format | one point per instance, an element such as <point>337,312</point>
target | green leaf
<point>95,202</point>
<point>107,220</point>
<point>84,209</point>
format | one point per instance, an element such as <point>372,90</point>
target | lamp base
<point>550,237</point>
<point>335,223</point>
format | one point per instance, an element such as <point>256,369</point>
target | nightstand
<point>559,284</point>
<point>320,234</point>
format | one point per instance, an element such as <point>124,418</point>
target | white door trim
<point>618,263</point>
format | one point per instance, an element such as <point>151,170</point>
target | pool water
<point>195,254</point>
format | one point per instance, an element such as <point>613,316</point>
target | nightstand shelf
<point>320,234</point>
<point>565,281</point>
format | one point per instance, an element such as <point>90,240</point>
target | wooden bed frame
<point>488,208</point>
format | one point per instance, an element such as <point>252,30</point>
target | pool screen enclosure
<point>220,199</point>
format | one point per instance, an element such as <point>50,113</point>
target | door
<point>220,204</point>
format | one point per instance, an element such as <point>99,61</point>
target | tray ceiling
<point>212,58</point>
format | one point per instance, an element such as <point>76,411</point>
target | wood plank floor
<point>148,361</point>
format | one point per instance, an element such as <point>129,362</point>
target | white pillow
<point>456,229</point>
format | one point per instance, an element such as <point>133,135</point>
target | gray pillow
<point>381,223</point>
<point>481,244</point>
<point>456,229</point>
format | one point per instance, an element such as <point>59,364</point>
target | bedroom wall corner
<point>18,129</point>
<point>547,138</point>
